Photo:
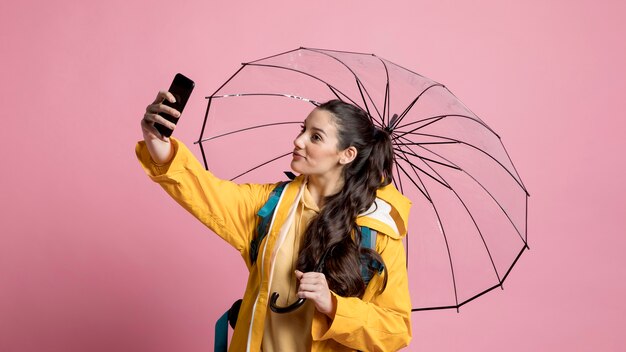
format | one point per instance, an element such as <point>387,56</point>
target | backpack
<point>368,240</point>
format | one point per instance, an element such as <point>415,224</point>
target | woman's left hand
<point>313,286</point>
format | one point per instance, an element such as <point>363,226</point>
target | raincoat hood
<point>389,214</point>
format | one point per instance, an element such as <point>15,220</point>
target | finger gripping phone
<point>181,88</point>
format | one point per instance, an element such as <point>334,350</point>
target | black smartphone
<point>181,88</point>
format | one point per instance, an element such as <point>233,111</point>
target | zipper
<point>256,300</point>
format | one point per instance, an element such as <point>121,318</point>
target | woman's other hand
<point>313,286</point>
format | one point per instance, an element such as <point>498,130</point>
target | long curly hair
<point>333,234</point>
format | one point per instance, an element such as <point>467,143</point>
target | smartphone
<point>181,88</point>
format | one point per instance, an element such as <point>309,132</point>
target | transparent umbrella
<point>468,222</point>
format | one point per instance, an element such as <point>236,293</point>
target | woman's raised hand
<point>158,145</point>
<point>152,116</point>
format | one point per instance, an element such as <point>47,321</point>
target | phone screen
<point>181,88</point>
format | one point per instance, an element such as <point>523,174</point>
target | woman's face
<point>315,151</point>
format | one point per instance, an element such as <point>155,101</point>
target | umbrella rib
<point>429,143</point>
<point>387,103</point>
<point>514,262</point>
<point>445,238</point>
<point>423,191</point>
<point>441,117</point>
<point>334,92</point>
<point>206,165</point>
<point>526,223</point>
<point>383,124</point>
<point>359,85</point>
<point>468,109</point>
<point>406,69</point>
<point>338,51</point>
<point>306,74</point>
<point>407,144</point>
<point>405,159</point>
<point>354,74</point>
<point>462,142</point>
<point>443,181</point>
<point>402,134</point>
<point>443,232</point>
<point>481,293</point>
<point>431,160</point>
<point>206,115</point>
<point>410,106</point>
<point>258,166</point>
<point>403,156</point>
<point>475,119</point>
<point>361,88</point>
<point>273,56</point>
<point>475,180</point>
<point>480,233</point>
<point>265,94</point>
<point>398,185</point>
<point>469,212</point>
<point>247,129</point>
<point>517,173</point>
<point>434,119</point>
<point>229,79</point>
<point>467,144</point>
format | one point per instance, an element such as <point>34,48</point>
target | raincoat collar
<point>392,220</point>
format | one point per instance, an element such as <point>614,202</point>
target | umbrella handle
<point>277,309</point>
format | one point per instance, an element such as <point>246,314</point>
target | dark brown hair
<point>334,232</point>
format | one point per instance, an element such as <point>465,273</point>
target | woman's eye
<point>316,137</point>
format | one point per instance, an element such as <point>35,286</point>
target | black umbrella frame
<point>447,161</point>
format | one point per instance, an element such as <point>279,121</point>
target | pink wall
<point>94,257</point>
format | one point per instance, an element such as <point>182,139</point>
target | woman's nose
<point>299,142</point>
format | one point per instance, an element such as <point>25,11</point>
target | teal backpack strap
<point>221,334</point>
<point>221,326</point>
<point>265,213</point>
<point>368,240</point>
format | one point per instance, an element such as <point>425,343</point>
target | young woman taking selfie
<point>356,293</point>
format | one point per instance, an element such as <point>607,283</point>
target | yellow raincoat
<point>375,322</point>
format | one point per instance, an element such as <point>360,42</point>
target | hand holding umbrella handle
<point>277,309</point>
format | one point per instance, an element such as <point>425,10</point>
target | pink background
<point>95,257</point>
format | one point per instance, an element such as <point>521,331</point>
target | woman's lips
<point>296,155</point>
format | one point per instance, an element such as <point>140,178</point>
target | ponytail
<point>382,156</point>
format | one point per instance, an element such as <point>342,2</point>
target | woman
<point>345,166</point>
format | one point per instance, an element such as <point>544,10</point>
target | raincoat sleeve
<point>225,207</point>
<point>381,324</point>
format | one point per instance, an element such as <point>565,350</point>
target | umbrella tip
<point>392,123</point>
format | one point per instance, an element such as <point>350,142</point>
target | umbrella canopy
<point>468,222</point>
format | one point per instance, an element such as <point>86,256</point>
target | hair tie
<point>378,133</point>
